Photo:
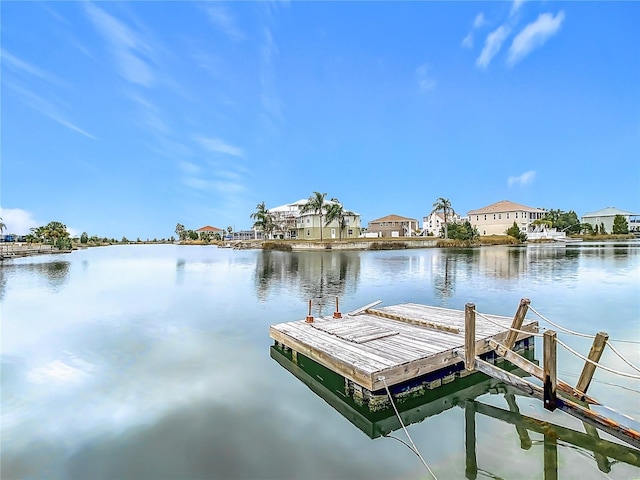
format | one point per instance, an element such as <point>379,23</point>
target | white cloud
<point>425,80</point>
<point>18,221</point>
<point>515,6</point>
<point>17,65</point>
<point>190,168</point>
<point>522,180</point>
<point>222,19</point>
<point>479,21</point>
<point>467,41</point>
<point>228,187</point>
<point>125,44</point>
<point>46,108</point>
<point>219,146</point>
<point>534,35</point>
<point>492,46</point>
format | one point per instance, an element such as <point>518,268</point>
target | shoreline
<point>10,251</point>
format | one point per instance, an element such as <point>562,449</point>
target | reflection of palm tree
<point>443,205</point>
<point>444,284</point>
<point>315,204</point>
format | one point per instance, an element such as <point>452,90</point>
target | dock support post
<point>549,370</point>
<point>594,355</point>
<point>470,336</point>
<point>517,323</point>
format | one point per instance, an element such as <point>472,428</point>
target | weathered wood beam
<point>536,371</point>
<point>361,310</point>
<point>606,424</point>
<point>413,321</point>
<point>550,368</point>
<point>469,336</point>
<point>517,322</point>
<point>594,355</point>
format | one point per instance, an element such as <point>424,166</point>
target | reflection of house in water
<point>376,418</point>
<point>317,275</point>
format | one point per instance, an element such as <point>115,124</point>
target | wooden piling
<point>518,318</point>
<point>549,370</point>
<point>309,318</point>
<point>337,313</point>
<point>470,336</point>
<point>589,369</point>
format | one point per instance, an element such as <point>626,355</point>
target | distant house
<point>605,217</point>
<point>433,223</point>
<point>393,226</point>
<point>254,234</point>
<point>209,232</point>
<point>291,223</point>
<point>497,218</point>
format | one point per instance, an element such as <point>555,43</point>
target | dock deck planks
<point>365,346</point>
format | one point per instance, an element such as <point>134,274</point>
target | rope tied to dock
<point>578,334</point>
<point>534,334</point>
<point>584,335</point>
<point>617,372</point>
<point>412,447</point>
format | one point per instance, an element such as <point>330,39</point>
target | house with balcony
<point>393,226</point>
<point>497,218</point>
<point>433,223</point>
<point>291,223</point>
<point>605,216</point>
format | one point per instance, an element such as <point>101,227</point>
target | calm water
<point>153,362</point>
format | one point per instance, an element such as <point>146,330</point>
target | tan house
<point>497,218</point>
<point>393,226</point>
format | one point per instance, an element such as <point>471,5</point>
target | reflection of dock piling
<point>417,347</point>
<point>376,419</point>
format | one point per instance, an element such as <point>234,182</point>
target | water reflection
<point>318,276</point>
<point>56,273</point>
<point>466,393</point>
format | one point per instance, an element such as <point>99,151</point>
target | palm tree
<point>262,218</point>
<point>443,205</point>
<point>335,211</point>
<point>2,226</point>
<point>315,204</point>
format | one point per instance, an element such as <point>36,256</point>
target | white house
<point>606,216</point>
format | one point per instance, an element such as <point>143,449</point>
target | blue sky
<point>126,118</point>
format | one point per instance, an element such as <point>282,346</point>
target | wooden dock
<point>399,343</point>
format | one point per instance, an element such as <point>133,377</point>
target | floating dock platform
<point>396,344</point>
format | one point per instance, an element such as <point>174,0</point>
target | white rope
<point>415,449</point>
<point>535,334</point>
<point>566,330</point>
<point>622,357</point>
<point>603,382</point>
<point>617,372</point>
